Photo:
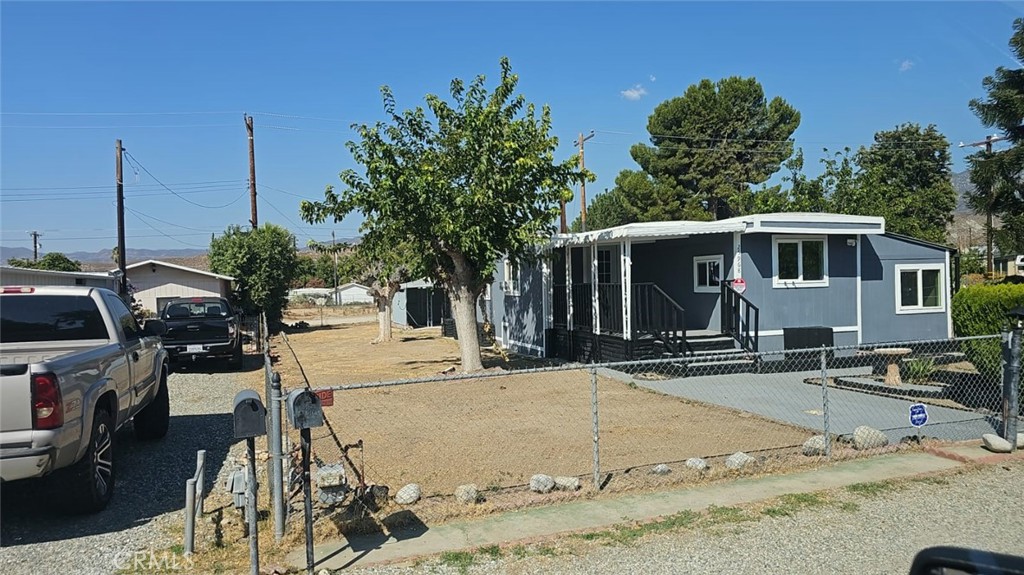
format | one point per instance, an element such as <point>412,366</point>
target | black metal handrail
<point>655,313</point>
<point>582,306</point>
<point>740,318</point>
<point>560,306</point>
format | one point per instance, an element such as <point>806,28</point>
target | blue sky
<point>172,80</point>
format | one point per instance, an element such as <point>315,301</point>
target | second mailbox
<point>250,415</point>
<point>304,409</point>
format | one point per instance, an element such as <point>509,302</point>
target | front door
<point>705,305</point>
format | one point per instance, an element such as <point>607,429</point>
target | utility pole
<point>118,157</point>
<point>35,245</point>
<point>583,184</point>
<point>252,172</point>
<point>987,142</point>
<point>334,250</point>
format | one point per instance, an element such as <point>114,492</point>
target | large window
<point>919,288</point>
<point>707,274</point>
<point>799,261</point>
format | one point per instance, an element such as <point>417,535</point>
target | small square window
<point>799,261</point>
<point>707,273</point>
<point>919,288</point>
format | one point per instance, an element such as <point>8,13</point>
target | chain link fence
<point>611,424</point>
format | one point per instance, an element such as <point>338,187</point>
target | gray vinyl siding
<point>880,255</point>
<point>519,319</point>
<point>669,265</point>
<point>831,306</point>
<point>398,312</point>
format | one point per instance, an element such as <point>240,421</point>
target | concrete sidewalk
<point>364,550</point>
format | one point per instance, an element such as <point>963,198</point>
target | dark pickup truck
<point>202,327</point>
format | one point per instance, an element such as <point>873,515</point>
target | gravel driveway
<point>36,537</point>
<point>881,535</point>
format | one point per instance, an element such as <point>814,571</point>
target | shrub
<point>982,310</point>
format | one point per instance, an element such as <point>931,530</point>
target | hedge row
<point>983,310</point>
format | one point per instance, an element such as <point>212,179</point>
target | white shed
<point>29,277</point>
<point>156,282</point>
<point>354,293</point>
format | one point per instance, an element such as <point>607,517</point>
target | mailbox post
<point>304,411</point>
<point>250,422</point>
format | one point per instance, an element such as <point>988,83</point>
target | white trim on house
<point>92,275</point>
<point>949,294</point>
<point>512,272</point>
<point>860,297</point>
<point>708,259</point>
<point>177,267</point>
<point>839,329</point>
<point>545,302</point>
<point>530,346</point>
<point>594,296</point>
<point>789,223</point>
<point>799,282</point>
<point>737,256</point>
<point>919,308</point>
<point>627,280</point>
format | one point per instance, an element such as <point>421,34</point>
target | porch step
<point>715,343</point>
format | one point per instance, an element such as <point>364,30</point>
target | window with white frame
<point>511,284</point>
<point>487,292</point>
<point>799,261</point>
<point>919,288</point>
<point>707,273</point>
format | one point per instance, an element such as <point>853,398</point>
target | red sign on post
<point>326,397</point>
<point>739,285</point>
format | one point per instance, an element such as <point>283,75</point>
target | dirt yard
<point>497,432</point>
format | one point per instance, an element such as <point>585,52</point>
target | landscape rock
<point>814,446</point>
<point>567,483</point>
<point>1020,439</point>
<point>739,460</point>
<point>331,475</point>
<point>409,494</point>
<point>541,483</point>
<point>330,496</point>
<point>467,493</point>
<point>696,463</point>
<point>661,469</point>
<point>995,443</point>
<point>865,437</point>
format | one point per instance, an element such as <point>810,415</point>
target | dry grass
<point>300,312</point>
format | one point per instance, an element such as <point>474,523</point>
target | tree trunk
<point>463,302</point>
<point>384,300</point>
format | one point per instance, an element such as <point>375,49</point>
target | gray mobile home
<point>763,282</point>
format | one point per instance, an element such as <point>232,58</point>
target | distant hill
<point>103,256</point>
<point>962,184</point>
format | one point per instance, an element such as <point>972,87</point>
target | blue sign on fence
<point>918,415</point>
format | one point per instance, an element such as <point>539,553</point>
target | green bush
<point>982,310</point>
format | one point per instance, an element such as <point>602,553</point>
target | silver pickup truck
<point>75,366</point>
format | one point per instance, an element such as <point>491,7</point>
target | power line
<point>135,161</point>
<point>140,214</point>
<point>287,219</point>
<point>277,115</point>
<point>116,113</point>
<point>88,196</point>
<point>107,186</point>
<point>286,192</point>
<point>161,232</point>
<point>150,127</point>
<point>294,129</point>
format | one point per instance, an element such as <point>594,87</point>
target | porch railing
<point>582,307</point>
<point>559,307</point>
<point>609,298</point>
<point>655,313</point>
<point>740,318</point>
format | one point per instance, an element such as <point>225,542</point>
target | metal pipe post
<point>251,514</point>
<point>307,496</point>
<point>200,481</point>
<point>1011,385</point>
<point>276,457</point>
<point>190,516</point>
<point>824,402</point>
<point>597,446</point>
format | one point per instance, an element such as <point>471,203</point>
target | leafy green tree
<point>999,177</point>
<point>478,182</point>
<point>905,177</point>
<point>605,211</point>
<point>262,261</point>
<point>53,261</point>
<point>713,143</point>
<point>803,194</point>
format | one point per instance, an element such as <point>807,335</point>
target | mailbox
<point>249,414</point>
<point>304,409</point>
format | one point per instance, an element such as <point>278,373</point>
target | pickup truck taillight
<point>232,329</point>
<point>47,407</point>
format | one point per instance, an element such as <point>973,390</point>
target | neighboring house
<point>1012,265</point>
<point>157,282</point>
<point>10,276</point>
<point>764,282</point>
<point>350,293</point>
<point>420,304</point>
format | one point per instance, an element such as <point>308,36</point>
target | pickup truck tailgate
<point>15,398</point>
<point>198,330</point>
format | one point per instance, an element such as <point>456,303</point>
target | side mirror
<point>154,327</point>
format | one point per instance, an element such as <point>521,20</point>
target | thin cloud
<point>906,65</point>
<point>653,79</point>
<point>634,93</point>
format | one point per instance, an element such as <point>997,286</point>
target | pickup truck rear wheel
<point>153,420</point>
<point>93,476</point>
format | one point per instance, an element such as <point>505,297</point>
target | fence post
<point>190,516</point>
<point>596,428</point>
<point>824,402</point>
<point>1011,380</point>
<point>276,457</point>
<point>200,481</point>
